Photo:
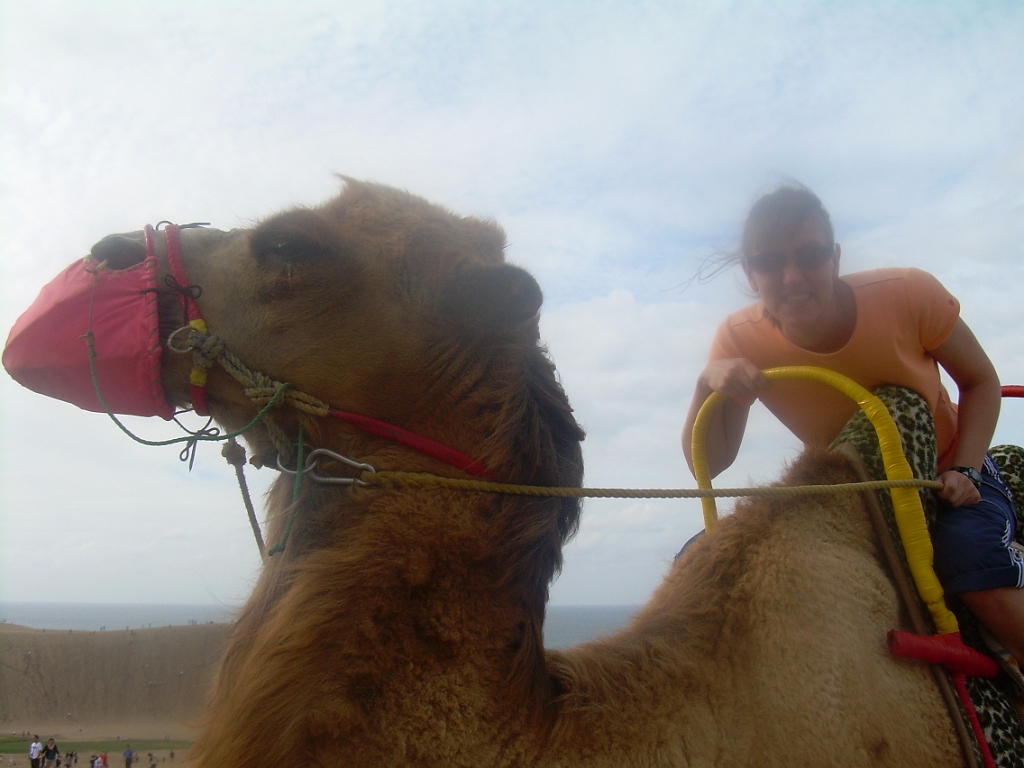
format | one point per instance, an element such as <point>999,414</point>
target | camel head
<point>376,303</point>
<point>381,304</point>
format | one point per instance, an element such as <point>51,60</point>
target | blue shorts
<point>972,544</point>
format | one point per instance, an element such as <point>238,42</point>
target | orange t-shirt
<point>902,314</point>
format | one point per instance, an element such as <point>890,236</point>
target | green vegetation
<point>10,745</point>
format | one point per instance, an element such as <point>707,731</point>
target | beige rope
<point>234,454</point>
<point>259,388</point>
<point>398,478</point>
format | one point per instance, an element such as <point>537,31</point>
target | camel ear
<point>492,298</point>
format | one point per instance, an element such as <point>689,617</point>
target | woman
<point>891,326</point>
<point>50,754</point>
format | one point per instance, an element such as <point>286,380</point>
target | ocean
<point>566,625</point>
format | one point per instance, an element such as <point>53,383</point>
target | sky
<point>617,143</point>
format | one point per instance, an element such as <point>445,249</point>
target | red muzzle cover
<point>48,353</point>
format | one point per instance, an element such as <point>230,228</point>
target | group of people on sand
<point>131,757</point>
<point>48,755</point>
<point>887,326</point>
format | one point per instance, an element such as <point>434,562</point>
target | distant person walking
<point>50,754</point>
<point>128,756</point>
<point>34,751</point>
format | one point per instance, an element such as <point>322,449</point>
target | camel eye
<point>283,248</point>
<point>286,247</point>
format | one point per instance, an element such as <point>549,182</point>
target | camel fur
<point>405,627</point>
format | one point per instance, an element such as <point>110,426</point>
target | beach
<point>148,685</point>
<point>100,685</point>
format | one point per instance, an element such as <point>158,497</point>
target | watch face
<point>971,474</point>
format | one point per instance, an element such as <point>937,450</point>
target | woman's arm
<point>741,382</point>
<point>977,411</point>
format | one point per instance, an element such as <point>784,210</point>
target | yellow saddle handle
<point>905,502</point>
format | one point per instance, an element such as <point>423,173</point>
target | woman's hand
<point>957,489</point>
<point>737,378</point>
<point>741,382</point>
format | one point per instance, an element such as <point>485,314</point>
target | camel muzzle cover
<point>48,352</point>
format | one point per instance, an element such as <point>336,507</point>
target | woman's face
<point>797,295</point>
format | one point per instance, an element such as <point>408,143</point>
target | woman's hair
<point>779,214</point>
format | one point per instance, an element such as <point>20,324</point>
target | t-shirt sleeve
<point>724,344</point>
<point>938,310</point>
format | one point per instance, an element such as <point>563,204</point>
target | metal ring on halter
<point>316,477</point>
<point>171,340</point>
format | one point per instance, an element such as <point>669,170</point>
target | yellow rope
<point>398,478</point>
<point>906,504</point>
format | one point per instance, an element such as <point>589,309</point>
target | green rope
<point>296,490</point>
<point>193,437</point>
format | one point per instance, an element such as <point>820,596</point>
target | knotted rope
<point>234,454</point>
<point>207,349</point>
<point>202,435</point>
<point>260,388</point>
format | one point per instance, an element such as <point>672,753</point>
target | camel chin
<point>405,627</point>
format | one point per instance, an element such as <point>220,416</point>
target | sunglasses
<point>808,259</point>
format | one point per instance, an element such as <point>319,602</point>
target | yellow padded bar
<point>198,376</point>
<point>905,501</point>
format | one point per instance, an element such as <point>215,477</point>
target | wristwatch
<point>970,473</point>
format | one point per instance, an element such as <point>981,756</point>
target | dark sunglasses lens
<point>767,263</point>
<point>808,258</point>
<point>813,256</point>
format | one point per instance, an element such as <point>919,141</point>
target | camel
<point>404,626</point>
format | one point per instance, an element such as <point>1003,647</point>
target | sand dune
<point>139,683</point>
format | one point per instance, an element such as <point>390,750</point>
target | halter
<point>260,389</point>
<point>190,308</point>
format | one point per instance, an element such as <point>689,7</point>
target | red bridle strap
<point>172,236</point>
<point>193,317</point>
<point>417,442</point>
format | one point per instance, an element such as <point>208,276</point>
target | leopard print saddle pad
<point>997,701</point>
